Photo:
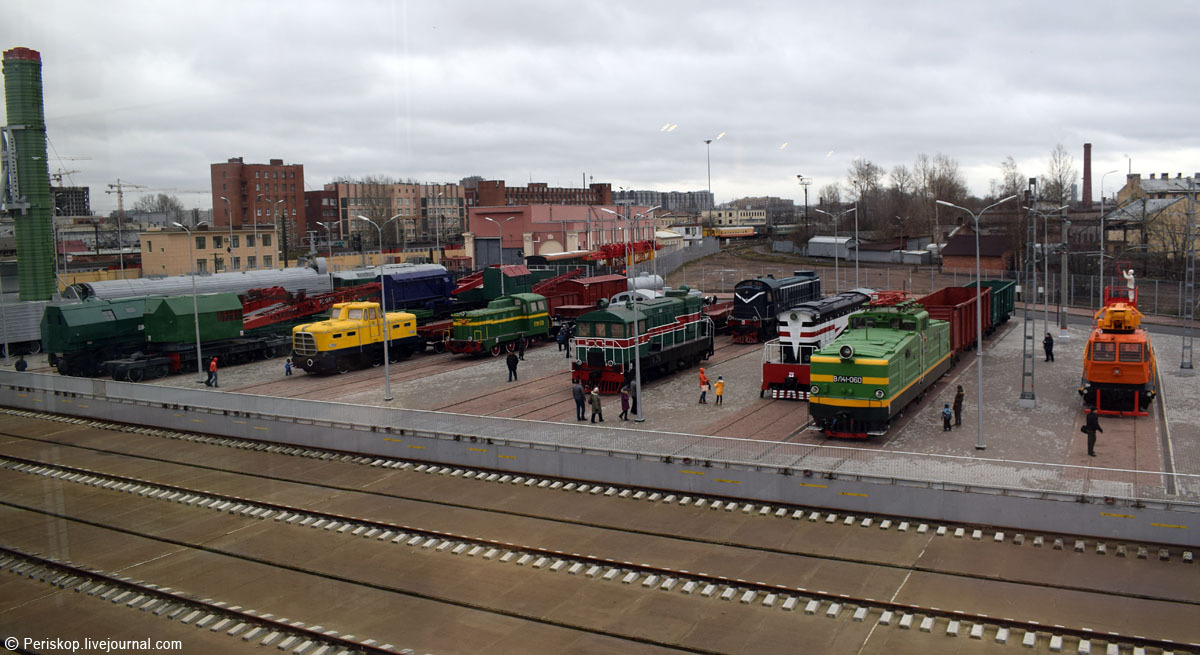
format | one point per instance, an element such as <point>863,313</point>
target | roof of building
<point>883,246</point>
<point>989,246</point>
<point>1178,184</point>
<point>1140,208</point>
<point>831,240</point>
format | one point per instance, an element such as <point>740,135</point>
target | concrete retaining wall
<point>1120,519</point>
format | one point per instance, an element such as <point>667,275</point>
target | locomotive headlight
<point>846,351</point>
<point>814,389</point>
<point>794,317</point>
<point>879,394</point>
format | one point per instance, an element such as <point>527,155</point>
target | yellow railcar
<point>353,337</point>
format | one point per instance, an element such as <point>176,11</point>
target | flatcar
<point>352,338</point>
<point>672,334</point>
<point>757,303</point>
<point>888,357</point>
<point>502,325</point>
<point>1118,361</point>
<point>803,330</point>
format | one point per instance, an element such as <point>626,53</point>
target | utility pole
<point>1028,399</point>
<point>1189,282</point>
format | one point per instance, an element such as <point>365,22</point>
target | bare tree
<point>158,203</point>
<point>1056,183</point>
<point>1012,181</point>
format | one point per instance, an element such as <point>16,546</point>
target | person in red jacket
<point>212,373</point>
<point>703,387</point>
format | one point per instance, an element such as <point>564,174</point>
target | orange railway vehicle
<point>1118,363</point>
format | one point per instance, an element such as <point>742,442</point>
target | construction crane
<point>58,177</point>
<point>120,191</point>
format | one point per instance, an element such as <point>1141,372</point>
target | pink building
<point>548,229</point>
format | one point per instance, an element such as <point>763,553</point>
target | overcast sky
<point>155,92</point>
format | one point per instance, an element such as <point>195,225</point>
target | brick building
<point>995,253</point>
<point>495,193</point>
<point>514,233</point>
<point>424,213</point>
<point>259,193</point>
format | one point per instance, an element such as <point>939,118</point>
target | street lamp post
<point>275,228</point>
<point>1102,252</point>
<point>978,318</point>
<point>804,182</point>
<point>500,242</point>
<point>195,308</point>
<point>633,293</point>
<point>387,379</point>
<point>329,239</point>
<point>1046,264</point>
<point>229,215</point>
<point>835,217</point>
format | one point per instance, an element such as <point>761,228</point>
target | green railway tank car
<point>888,357</point>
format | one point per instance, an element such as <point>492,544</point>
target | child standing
<point>946,416</point>
<point>287,367</point>
<point>719,389</point>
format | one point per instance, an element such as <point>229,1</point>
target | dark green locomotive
<point>672,334</point>
<point>136,339</point>
<point>887,357</point>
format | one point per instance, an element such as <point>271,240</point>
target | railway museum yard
<point>473,514</point>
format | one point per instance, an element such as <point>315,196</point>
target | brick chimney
<point>1087,176</point>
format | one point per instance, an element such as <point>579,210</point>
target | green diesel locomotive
<point>888,356</point>
<point>672,334</point>
<point>502,326</point>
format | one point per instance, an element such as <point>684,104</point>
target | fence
<point>959,473</point>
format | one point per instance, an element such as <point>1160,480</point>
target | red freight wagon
<point>956,306</point>
<point>591,289</point>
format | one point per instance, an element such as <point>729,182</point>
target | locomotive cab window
<point>908,326</point>
<point>1130,352</point>
<point>108,314</point>
<point>616,330</point>
<point>355,315</point>
<point>1104,352</point>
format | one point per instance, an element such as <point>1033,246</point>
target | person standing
<point>624,402</point>
<point>1091,427</point>
<point>596,409</point>
<point>719,390</point>
<point>634,396</point>
<point>567,340</point>
<point>212,373</point>
<point>1048,344</point>
<point>287,367</point>
<point>521,347</point>
<point>946,416</point>
<point>703,387</point>
<point>512,366</point>
<point>580,400</point>
<point>958,404</point>
<point>561,338</point>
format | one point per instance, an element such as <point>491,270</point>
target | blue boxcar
<point>423,286</point>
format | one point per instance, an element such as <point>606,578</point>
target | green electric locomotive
<point>501,326</point>
<point>672,334</point>
<point>888,356</point>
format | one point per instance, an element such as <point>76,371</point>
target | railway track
<point>784,593</point>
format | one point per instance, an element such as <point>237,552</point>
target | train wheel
<point>439,347</point>
<point>136,374</point>
<point>343,365</point>
<point>510,346</point>
<point>160,371</point>
<point>496,350</point>
<point>377,359</point>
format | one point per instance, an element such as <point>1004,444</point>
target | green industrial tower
<point>26,181</point>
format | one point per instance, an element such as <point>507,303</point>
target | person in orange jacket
<point>703,387</point>
<point>212,373</point>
